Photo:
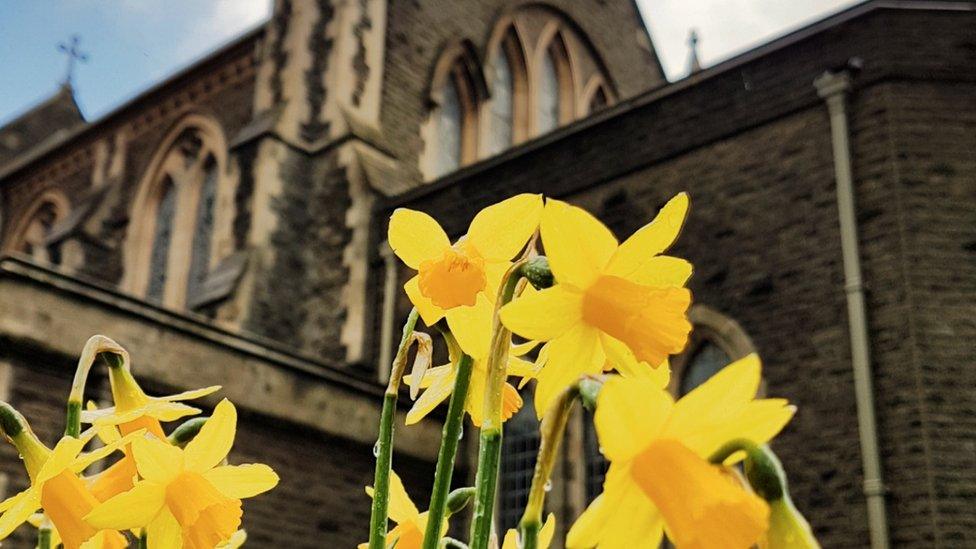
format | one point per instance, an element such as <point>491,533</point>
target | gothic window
<point>548,101</point>
<point>168,250</point>
<point>519,448</point>
<point>502,104</point>
<point>30,238</point>
<point>203,231</point>
<point>449,129</point>
<point>707,360</point>
<point>162,238</point>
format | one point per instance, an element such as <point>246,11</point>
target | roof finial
<point>694,64</point>
<point>74,54</point>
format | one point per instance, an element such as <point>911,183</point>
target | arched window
<point>548,101</point>
<point>162,241</point>
<point>450,119</point>
<point>203,231</point>
<point>502,107</point>
<point>176,222</point>
<point>715,342</point>
<point>31,235</point>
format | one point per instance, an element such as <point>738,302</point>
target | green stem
<point>43,538</point>
<point>143,540</point>
<point>489,452</point>
<point>384,445</point>
<point>445,458</point>
<point>552,429</point>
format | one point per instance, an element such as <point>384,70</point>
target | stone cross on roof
<point>694,64</point>
<point>74,54</point>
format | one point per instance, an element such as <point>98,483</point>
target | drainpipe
<point>388,312</point>
<point>834,87</point>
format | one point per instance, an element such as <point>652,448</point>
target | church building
<point>227,226</point>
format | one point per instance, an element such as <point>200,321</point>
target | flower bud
<point>537,272</point>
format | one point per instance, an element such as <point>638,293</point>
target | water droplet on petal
<point>376,449</point>
<point>548,486</point>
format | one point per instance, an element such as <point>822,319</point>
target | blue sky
<point>133,44</point>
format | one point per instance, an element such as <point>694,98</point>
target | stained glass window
<point>519,448</point>
<point>161,243</point>
<point>547,105</point>
<point>707,361</point>
<point>501,104</point>
<point>203,231</point>
<point>449,121</point>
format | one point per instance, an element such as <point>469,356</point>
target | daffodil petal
<point>215,439</point>
<point>402,509</point>
<point>511,540</point>
<point>18,508</point>
<point>544,315</point>
<point>651,240</point>
<point>722,396</point>
<point>522,349</point>
<point>416,237</point>
<point>622,359</point>
<point>66,450</point>
<point>575,354</point>
<point>431,376</point>
<point>518,367</point>
<point>511,402</point>
<point>662,270</point>
<point>438,392</point>
<point>429,312</point>
<point>547,532</point>
<point>621,518</point>
<point>242,481</point>
<point>630,413</point>
<point>471,326</point>
<point>156,460</point>
<point>132,509</point>
<point>499,231</point>
<point>164,532</point>
<point>190,395</point>
<point>577,244</point>
<point>759,421</point>
<point>236,540</point>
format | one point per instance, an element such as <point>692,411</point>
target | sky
<point>133,44</point>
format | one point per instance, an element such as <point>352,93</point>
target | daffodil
<point>622,305</point>
<point>133,410</point>
<point>454,275</point>
<point>473,332</point>
<point>186,498</point>
<point>545,535</point>
<point>56,487</point>
<point>410,522</point>
<point>660,478</point>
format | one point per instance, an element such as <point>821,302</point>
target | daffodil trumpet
<point>489,451</point>
<point>767,478</point>
<point>450,437</point>
<point>552,429</point>
<point>384,444</point>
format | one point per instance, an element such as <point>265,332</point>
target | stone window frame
<point>19,235</point>
<point>187,171</point>
<point>459,63</point>
<point>506,39</point>
<point>597,84</point>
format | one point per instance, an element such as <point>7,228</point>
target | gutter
<point>833,87</point>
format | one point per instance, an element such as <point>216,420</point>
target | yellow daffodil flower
<point>186,498</point>
<point>133,410</point>
<point>451,276</point>
<point>473,333</point>
<point>56,487</point>
<point>659,476</point>
<point>410,522</point>
<point>619,304</point>
<point>236,541</point>
<point>545,535</point>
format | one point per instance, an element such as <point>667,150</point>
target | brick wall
<point>751,143</point>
